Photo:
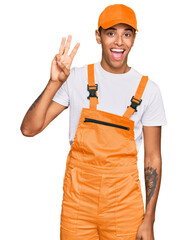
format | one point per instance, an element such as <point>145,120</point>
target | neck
<point>115,69</point>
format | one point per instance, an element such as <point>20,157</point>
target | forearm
<point>152,173</point>
<point>35,116</point>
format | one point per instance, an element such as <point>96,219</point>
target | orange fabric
<point>102,196</point>
<point>138,95</point>
<point>117,13</point>
<point>93,101</point>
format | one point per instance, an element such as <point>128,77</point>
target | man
<point>102,194</point>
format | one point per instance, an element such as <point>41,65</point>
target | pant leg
<point>79,206</point>
<point>87,233</point>
<point>121,208</point>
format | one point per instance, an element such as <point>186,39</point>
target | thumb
<point>54,62</point>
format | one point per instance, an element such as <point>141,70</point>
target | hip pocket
<point>129,206</point>
<point>70,202</point>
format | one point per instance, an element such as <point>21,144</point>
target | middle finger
<point>61,50</point>
<point>68,44</point>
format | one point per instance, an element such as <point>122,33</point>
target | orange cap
<point>117,13</point>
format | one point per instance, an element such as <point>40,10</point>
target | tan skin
<point>119,38</point>
<point>44,110</point>
<point>60,67</point>
<point>61,64</point>
<point>122,38</point>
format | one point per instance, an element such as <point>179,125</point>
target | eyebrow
<point>112,28</point>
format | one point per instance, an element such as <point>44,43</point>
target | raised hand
<point>61,64</point>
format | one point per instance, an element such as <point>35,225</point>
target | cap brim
<point>114,22</point>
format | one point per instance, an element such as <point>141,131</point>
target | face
<point>116,43</point>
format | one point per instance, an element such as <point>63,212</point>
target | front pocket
<point>105,141</point>
<point>106,123</point>
<point>70,202</point>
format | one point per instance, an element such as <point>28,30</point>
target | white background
<point>32,169</point>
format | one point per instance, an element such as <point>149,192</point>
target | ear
<point>98,36</point>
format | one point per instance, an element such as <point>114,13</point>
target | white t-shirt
<point>114,94</point>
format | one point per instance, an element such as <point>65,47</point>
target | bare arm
<point>44,110</point>
<point>152,168</point>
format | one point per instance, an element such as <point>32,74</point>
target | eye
<point>127,34</point>
<point>110,33</point>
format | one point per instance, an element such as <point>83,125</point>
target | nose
<point>118,40</point>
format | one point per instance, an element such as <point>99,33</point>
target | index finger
<point>74,51</point>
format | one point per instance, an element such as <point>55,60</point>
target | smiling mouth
<point>117,55</point>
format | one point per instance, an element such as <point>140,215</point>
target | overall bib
<point>102,198</point>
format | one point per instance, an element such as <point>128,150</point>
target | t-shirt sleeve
<point>154,114</point>
<point>62,96</point>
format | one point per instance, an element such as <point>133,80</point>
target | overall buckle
<point>92,92</point>
<point>135,104</point>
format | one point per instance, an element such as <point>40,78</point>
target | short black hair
<point>100,28</point>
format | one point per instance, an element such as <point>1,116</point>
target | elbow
<point>27,133</point>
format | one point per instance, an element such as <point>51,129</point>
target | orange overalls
<point>102,198</point>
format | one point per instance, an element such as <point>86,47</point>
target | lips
<point>117,55</point>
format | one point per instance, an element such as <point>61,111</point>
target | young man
<point>111,105</point>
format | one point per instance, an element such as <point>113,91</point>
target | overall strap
<point>92,88</point>
<point>136,99</point>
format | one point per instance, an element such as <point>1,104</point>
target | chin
<point>117,64</point>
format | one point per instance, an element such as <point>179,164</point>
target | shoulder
<point>78,70</point>
<point>77,80</point>
<point>78,75</point>
<point>152,95</point>
<point>75,76</point>
<point>151,87</point>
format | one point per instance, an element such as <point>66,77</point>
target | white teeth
<point>117,50</point>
